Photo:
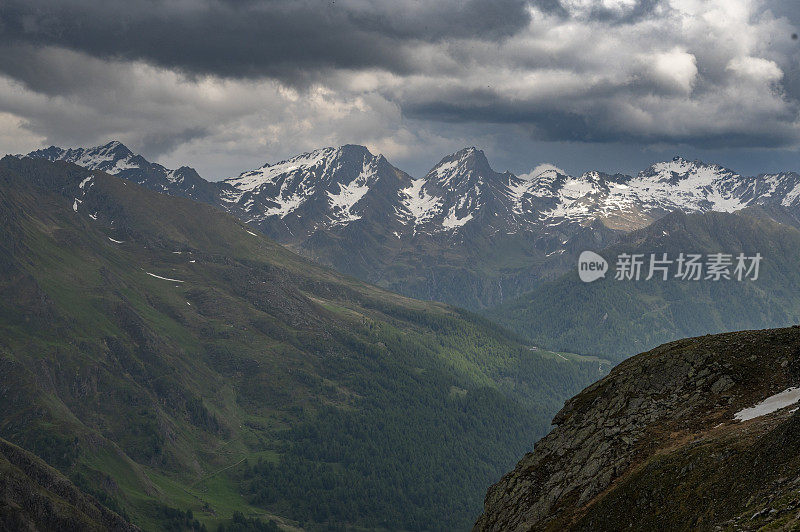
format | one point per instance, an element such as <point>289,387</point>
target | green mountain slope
<point>34,496</point>
<point>166,358</point>
<point>619,318</point>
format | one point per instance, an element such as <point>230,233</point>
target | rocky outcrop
<point>656,417</point>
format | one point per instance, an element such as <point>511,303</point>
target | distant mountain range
<point>463,233</point>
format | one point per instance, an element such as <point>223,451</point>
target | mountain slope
<point>168,358</point>
<point>619,318</point>
<point>34,496</point>
<point>670,440</point>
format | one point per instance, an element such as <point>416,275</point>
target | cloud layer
<point>223,84</point>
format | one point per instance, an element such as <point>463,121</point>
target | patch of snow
<point>164,278</point>
<point>249,181</point>
<point>517,190</point>
<point>421,205</point>
<point>791,196</point>
<point>83,183</point>
<point>286,205</point>
<point>122,164</point>
<point>771,404</point>
<point>250,232</point>
<point>231,196</point>
<point>452,221</point>
<point>349,195</point>
<point>446,171</point>
<point>116,241</point>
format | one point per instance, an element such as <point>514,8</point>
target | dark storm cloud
<point>548,123</point>
<point>223,79</point>
<point>165,142</point>
<point>243,38</point>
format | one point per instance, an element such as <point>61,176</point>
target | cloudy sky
<point>226,85</point>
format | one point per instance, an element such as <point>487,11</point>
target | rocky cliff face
<point>680,437</point>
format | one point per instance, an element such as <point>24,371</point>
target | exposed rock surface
<point>655,445</point>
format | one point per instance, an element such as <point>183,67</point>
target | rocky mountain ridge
<point>342,182</point>
<point>694,434</point>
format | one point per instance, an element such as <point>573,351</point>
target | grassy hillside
<point>620,318</point>
<point>168,359</point>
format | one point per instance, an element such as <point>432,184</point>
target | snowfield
<point>771,404</point>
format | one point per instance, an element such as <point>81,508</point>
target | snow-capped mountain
<point>116,159</point>
<point>463,189</point>
<point>463,233</point>
<point>627,202</point>
<point>331,188</point>
<point>327,189</point>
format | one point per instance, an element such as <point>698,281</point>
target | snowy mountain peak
<point>111,158</point>
<point>115,158</point>
<point>116,146</point>
<point>320,165</point>
<point>679,169</point>
<point>323,188</point>
<point>463,164</point>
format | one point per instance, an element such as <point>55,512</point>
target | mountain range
<point>464,233</point>
<point>180,370</point>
